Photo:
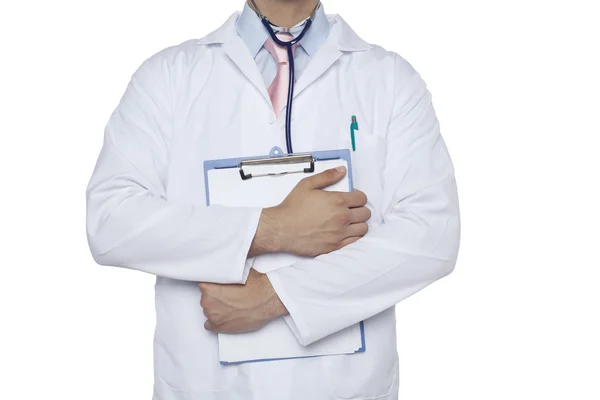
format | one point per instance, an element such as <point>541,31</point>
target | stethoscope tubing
<point>289,46</point>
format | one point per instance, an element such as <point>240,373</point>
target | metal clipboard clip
<point>278,160</point>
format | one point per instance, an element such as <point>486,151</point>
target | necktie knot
<point>278,52</point>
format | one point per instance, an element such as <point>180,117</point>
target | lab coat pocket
<point>368,162</point>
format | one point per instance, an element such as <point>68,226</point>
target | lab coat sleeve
<point>130,221</point>
<point>416,244</point>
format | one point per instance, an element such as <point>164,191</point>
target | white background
<point>516,86</point>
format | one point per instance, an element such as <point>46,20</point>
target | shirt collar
<point>253,33</point>
<point>341,36</point>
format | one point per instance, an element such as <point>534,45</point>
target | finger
<point>348,241</point>
<point>355,198</point>
<point>360,214</point>
<point>209,326</point>
<point>356,230</point>
<point>325,178</point>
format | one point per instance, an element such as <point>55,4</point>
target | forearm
<point>131,224</point>
<point>392,262</point>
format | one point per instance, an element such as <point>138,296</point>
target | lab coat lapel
<point>238,52</point>
<point>341,39</point>
<point>321,62</point>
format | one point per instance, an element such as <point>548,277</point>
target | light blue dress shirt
<point>253,33</point>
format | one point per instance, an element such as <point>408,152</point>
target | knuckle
<point>336,239</point>
<point>332,247</point>
<point>218,325</point>
<point>342,219</point>
<point>204,287</point>
<point>340,245</point>
<point>212,317</point>
<point>331,244</point>
<point>304,181</point>
<point>339,200</point>
<point>205,302</point>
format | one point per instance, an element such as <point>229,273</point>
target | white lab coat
<point>206,99</point>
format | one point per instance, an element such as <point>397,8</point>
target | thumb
<point>325,178</point>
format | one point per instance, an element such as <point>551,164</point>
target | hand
<point>311,221</point>
<point>240,308</point>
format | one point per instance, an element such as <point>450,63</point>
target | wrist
<point>275,308</point>
<point>275,229</point>
<point>269,236</point>
<point>279,309</point>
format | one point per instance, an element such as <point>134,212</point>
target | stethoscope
<point>288,46</point>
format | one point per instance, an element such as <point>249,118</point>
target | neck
<point>286,13</point>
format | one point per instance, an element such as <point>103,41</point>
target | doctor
<point>224,96</point>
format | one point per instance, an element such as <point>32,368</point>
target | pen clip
<point>353,127</point>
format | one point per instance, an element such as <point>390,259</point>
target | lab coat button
<point>272,119</point>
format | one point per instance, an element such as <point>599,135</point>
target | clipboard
<point>274,159</point>
<point>265,181</point>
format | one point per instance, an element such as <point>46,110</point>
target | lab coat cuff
<point>294,320</point>
<point>247,267</point>
<point>245,262</point>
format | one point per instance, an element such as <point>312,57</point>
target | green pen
<point>353,127</point>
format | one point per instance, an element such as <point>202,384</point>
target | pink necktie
<point>278,91</point>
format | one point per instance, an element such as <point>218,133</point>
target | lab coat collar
<point>343,37</point>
